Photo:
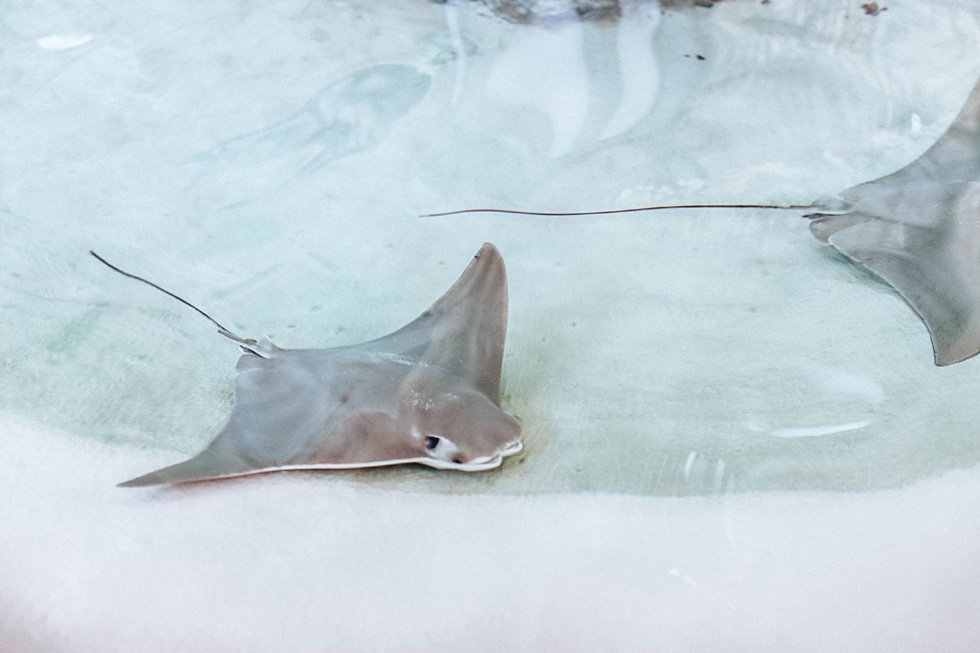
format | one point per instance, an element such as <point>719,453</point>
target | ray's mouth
<point>479,464</point>
<point>490,462</point>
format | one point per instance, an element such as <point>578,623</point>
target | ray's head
<point>462,430</point>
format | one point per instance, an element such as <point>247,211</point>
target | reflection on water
<point>692,353</point>
<point>551,71</point>
<point>343,118</point>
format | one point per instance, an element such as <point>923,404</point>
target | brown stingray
<point>427,393</point>
<point>919,230</point>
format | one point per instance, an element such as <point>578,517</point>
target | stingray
<point>427,393</point>
<point>918,229</point>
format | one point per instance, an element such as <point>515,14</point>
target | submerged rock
<point>536,11</point>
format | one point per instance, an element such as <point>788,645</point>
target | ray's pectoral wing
<point>463,332</point>
<point>355,406</point>
<point>919,230</point>
<point>905,194</point>
<point>936,269</point>
<point>294,409</point>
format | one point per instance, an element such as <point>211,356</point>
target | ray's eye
<point>458,461</point>
<point>431,442</point>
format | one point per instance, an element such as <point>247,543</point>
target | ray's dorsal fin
<point>247,343</point>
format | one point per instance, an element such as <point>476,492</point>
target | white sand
<point>316,562</point>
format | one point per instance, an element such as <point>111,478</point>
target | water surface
<point>269,161</point>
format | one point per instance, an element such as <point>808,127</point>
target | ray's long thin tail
<point>637,209</point>
<point>245,342</point>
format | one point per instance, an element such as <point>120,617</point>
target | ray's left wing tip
<point>146,480</point>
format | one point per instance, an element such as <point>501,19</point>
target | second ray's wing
<point>919,230</point>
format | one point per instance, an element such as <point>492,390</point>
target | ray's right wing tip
<point>488,250</point>
<point>950,355</point>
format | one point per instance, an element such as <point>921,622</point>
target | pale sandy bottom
<point>724,355</point>
<point>317,562</point>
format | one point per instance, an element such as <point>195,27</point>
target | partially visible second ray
<point>918,229</point>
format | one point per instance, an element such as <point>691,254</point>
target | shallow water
<point>269,161</point>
